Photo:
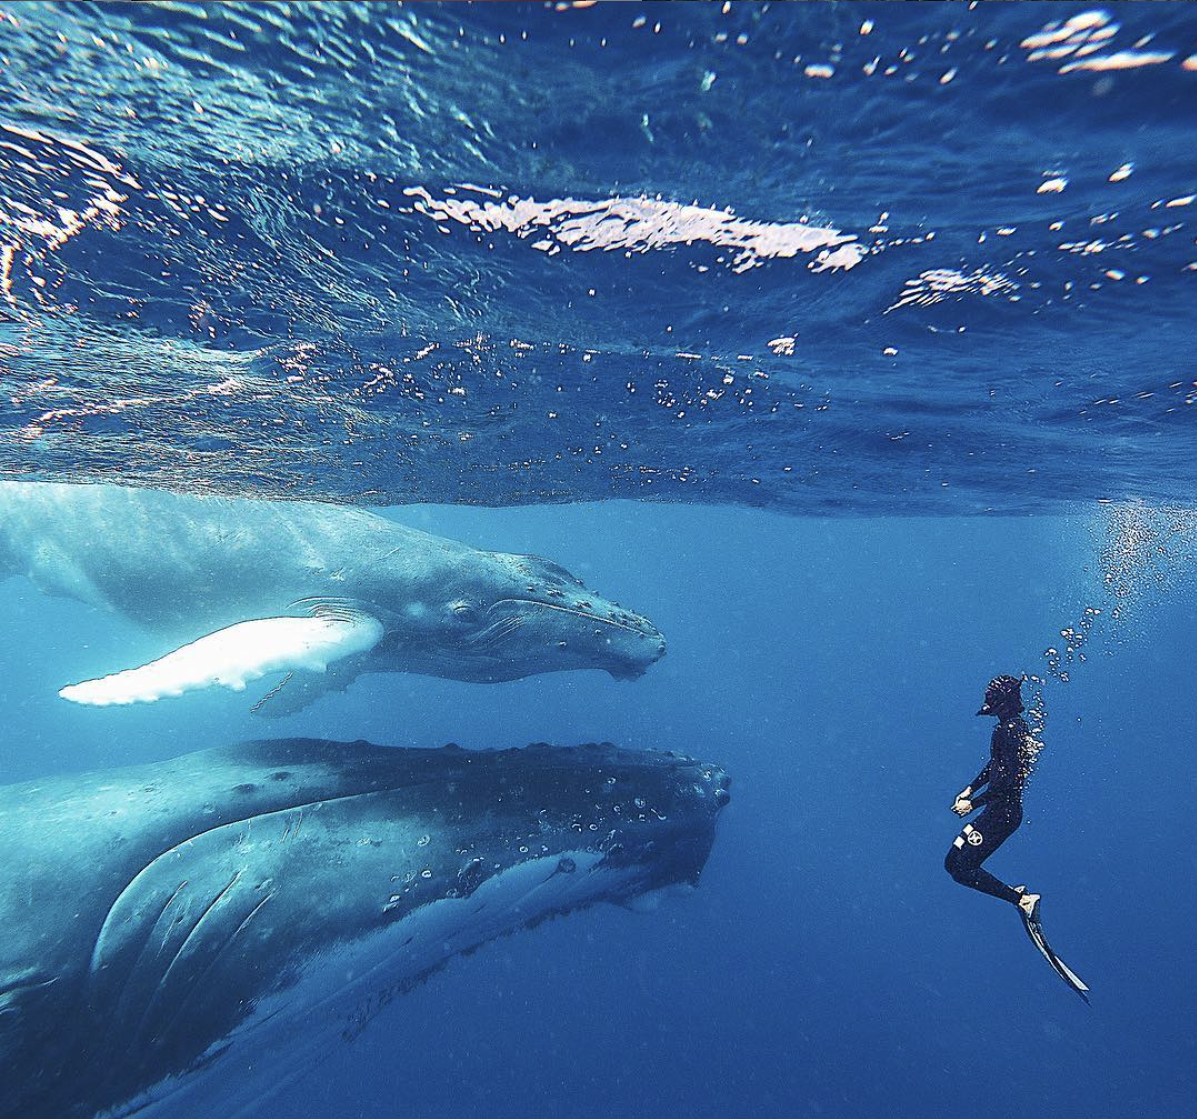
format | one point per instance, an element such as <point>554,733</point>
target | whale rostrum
<point>238,589</point>
<point>196,930</point>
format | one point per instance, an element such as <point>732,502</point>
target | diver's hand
<point>963,806</point>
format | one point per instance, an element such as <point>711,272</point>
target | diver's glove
<point>963,805</point>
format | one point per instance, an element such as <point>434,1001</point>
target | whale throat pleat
<point>234,656</point>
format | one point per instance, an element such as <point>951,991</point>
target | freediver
<point>1005,774</point>
<point>1003,778</point>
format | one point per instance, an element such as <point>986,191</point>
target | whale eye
<point>464,611</point>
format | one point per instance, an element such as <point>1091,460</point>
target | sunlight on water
<point>403,243</point>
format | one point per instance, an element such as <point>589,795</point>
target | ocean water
<point>851,343</point>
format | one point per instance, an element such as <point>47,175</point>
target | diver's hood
<point>1002,697</point>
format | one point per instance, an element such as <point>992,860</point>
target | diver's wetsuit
<point>1002,802</point>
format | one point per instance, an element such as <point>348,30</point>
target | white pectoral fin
<point>235,656</point>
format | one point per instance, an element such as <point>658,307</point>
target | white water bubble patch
<point>1143,555</point>
<point>1119,60</point>
<point>1080,30</point>
<point>937,284</point>
<point>1144,551</point>
<point>640,225</point>
<point>1083,42</point>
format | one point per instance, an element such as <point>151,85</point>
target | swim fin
<point>1035,931</point>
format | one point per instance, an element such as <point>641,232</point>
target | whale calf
<point>240,588</point>
<point>193,932</point>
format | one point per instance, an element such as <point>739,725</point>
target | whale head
<point>220,920</point>
<point>503,617</point>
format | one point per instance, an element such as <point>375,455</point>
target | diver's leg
<point>973,846</point>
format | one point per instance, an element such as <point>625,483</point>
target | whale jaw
<point>524,636</point>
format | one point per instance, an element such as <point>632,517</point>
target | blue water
<point>507,253</point>
<point>265,290</point>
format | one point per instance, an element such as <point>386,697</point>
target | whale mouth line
<point>495,632</point>
<point>580,614</point>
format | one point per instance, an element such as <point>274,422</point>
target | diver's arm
<point>985,777</point>
<point>965,796</point>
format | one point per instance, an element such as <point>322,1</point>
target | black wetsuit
<point>1002,801</point>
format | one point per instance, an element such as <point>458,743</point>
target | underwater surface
<point>851,343</point>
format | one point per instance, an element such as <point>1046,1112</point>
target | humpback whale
<point>193,932</point>
<point>240,588</point>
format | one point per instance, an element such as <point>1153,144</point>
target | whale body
<point>238,589</point>
<point>194,932</point>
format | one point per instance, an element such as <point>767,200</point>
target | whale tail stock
<point>236,655</point>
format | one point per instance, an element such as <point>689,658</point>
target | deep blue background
<point>826,965</point>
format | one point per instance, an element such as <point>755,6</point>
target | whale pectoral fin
<point>236,655</point>
<point>294,693</point>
